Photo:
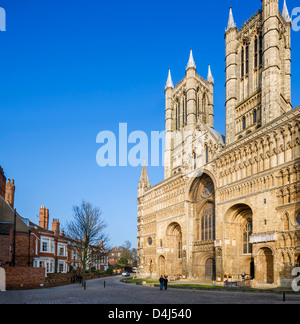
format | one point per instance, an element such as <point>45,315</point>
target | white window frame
<point>61,246</point>
<point>50,245</point>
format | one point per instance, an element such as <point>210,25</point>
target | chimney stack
<point>44,218</point>
<point>10,192</point>
<point>55,227</point>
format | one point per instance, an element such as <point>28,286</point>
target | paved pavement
<point>116,292</point>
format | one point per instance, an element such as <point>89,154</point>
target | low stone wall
<point>24,278</point>
<point>58,279</point>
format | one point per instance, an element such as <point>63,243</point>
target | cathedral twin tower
<point>258,80</point>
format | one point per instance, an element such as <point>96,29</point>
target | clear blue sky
<point>70,69</point>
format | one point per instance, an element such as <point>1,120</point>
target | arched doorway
<point>174,244</point>
<point>203,230</point>
<point>239,228</point>
<point>210,269</point>
<point>265,266</point>
<point>162,266</point>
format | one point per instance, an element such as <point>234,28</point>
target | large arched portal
<point>175,251</point>
<point>239,228</point>
<point>202,197</point>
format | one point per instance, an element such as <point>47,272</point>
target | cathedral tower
<point>188,105</point>
<point>276,74</point>
<point>258,70</point>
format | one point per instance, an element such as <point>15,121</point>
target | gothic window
<point>247,246</point>
<point>180,247</point>
<point>242,63</point>
<point>204,102</point>
<point>260,49</point>
<point>298,219</point>
<point>286,223</point>
<point>208,223</point>
<point>178,115</point>
<point>206,154</point>
<point>186,112</point>
<point>244,123</point>
<point>197,108</point>
<point>208,190</point>
<point>183,112</point>
<point>254,116</point>
<point>247,59</point>
<point>184,105</point>
<point>256,53</point>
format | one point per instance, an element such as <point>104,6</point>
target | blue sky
<point>71,69</point>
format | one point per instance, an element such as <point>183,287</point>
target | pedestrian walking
<point>166,282</point>
<point>161,282</point>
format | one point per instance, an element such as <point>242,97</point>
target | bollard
<point>104,283</point>
<point>283,296</point>
<point>84,285</point>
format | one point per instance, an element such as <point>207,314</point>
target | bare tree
<point>128,253</point>
<point>86,231</point>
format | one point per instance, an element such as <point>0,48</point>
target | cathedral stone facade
<point>229,205</point>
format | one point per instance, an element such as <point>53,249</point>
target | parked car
<point>134,269</point>
<point>125,274</point>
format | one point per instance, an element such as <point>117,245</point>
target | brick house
<point>31,245</point>
<point>53,251</point>
<point>14,240</point>
<point>50,246</point>
<point>97,256</point>
<point>114,255</point>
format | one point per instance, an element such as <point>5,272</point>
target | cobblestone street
<point>116,292</point>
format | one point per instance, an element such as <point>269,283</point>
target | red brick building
<point>114,255</point>
<point>14,236</point>
<point>49,247</point>
<point>25,244</point>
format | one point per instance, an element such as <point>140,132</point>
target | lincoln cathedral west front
<point>229,205</point>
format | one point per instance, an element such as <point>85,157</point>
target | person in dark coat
<point>161,282</point>
<point>166,282</point>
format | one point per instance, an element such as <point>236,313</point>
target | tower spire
<point>169,81</point>
<point>285,13</point>
<point>144,183</point>
<point>144,176</point>
<point>231,23</point>
<point>209,75</point>
<point>191,62</point>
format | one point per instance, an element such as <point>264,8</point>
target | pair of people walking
<point>163,281</point>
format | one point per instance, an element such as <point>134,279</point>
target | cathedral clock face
<point>208,190</point>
